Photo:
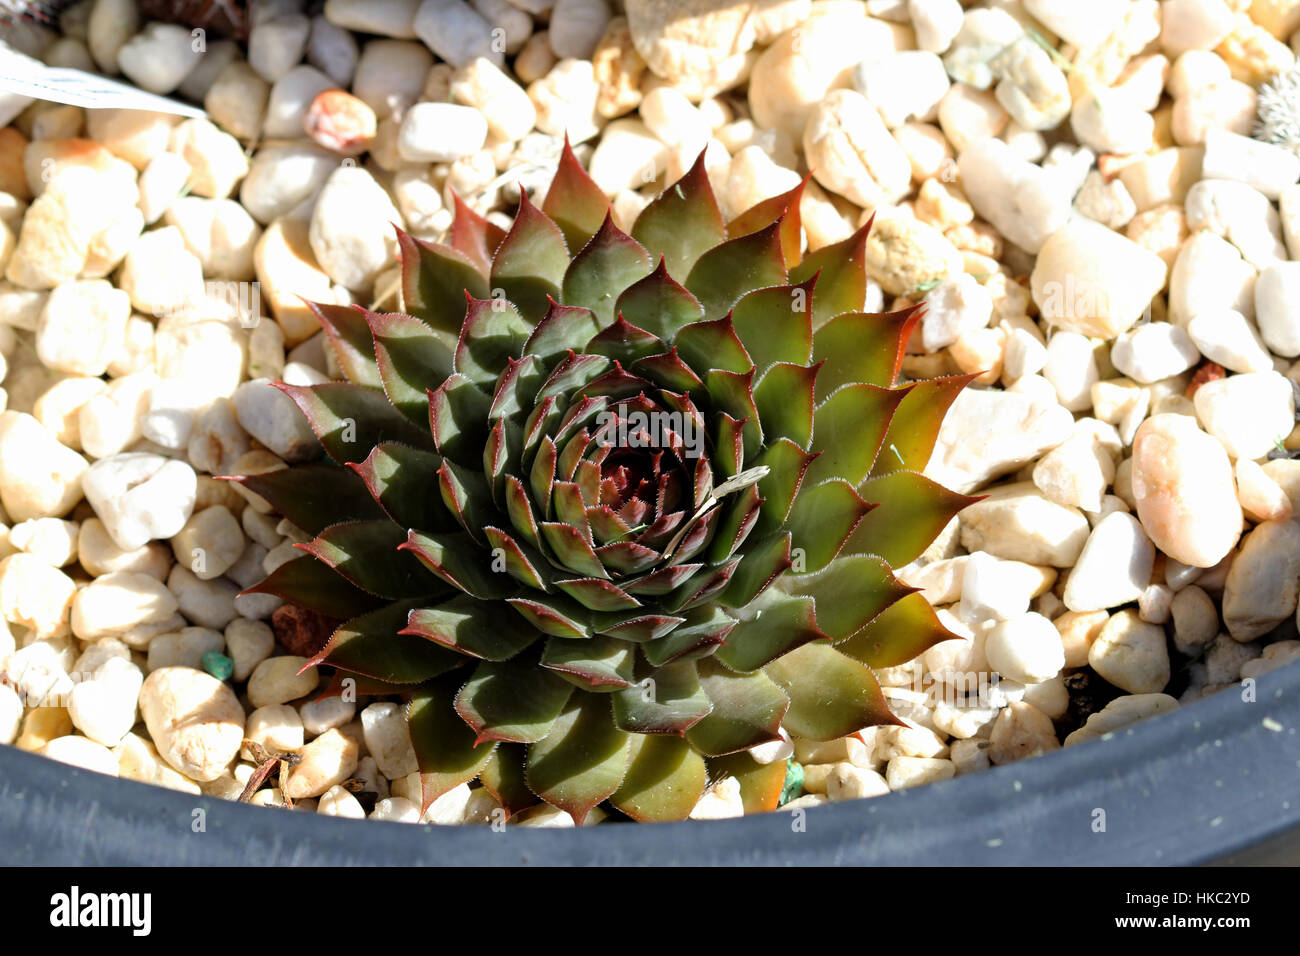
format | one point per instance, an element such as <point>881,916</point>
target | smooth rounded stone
<point>1131,654</point>
<point>850,152</point>
<point>1269,169</point>
<point>138,759</point>
<point>210,542</point>
<point>1018,522</point>
<point>185,647</point>
<point>987,434</point>
<point>283,177</point>
<point>112,419</point>
<point>218,55</point>
<point>109,25</point>
<point>351,230</point>
<point>1194,25</point>
<point>969,116</point>
<point>1194,69</point>
<point>1277,307</point>
<point>1154,351</point>
<point>216,159</point>
<point>277,727</point>
<point>390,18</point>
<point>128,605</point>
<point>219,232</point>
<point>1114,567</point>
<point>957,305</point>
<point>217,440</point>
<point>277,680</point>
<point>333,50</point>
<point>160,184</point>
<point>1109,122</point>
<point>288,273</point>
<point>1182,482</point>
<point>104,707</point>
<point>39,476</point>
<point>440,133</point>
<point>1031,87</point>
<point>1023,201</point>
<point>248,643</point>
<point>98,554</point>
<point>1120,713</point>
<point>287,101</point>
<point>1209,273</point>
<point>1240,214</point>
<point>195,721</point>
<point>1162,177</point>
<point>1091,280</point>
<point>1154,604</point>
<point>1261,497</point>
<point>340,122</point>
<point>1229,105</point>
<point>35,595</point>
<point>566,101</point>
<point>1080,26</point>
<point>627,157</point>
<point>936,22</point>
<point>206,603</point>
<point>158,58</point>
<point>325,762</point>
<point>905,255</point>
<point>1071,368</point>
<point>277,43</point>
<point>273,419</point>
<point>1076,473</point>
<point>140,496</point>
<point>236,101</point>
<point>847,782</point>
<point>1021,731</point>
<point>993,590</point>
<point>983,34</point>
<point>59,406</point>
<point>1196,622</point>
<point>697,45</point>
<point>325,714</point>
<point>137,136</point>
<point>338,802</point>
<point>396,809</point>
<point>1224,658</point>
<point>47,539</point>
<point>160,274</point>
<point>81,752</point>
<point>1275,655</point>
<point>906,85</point>
<point>1229,338</point>
<point>1027,649</point>
<point>1263,581</point>
<point>904,772</point>
<point>458,33</point>
<point>1248,413</point>
<point>501,101</point>
<point>387,739</point>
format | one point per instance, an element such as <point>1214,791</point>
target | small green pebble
<point>793,787</point>
<point>221,667</point>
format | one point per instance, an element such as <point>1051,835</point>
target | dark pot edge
<point>1216,780</point>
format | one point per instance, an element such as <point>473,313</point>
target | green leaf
<point>605,266</point>
<point>435,279</point>
<point>313,585</point>
<point>760,783</point>
<point>458,560</point>
<point>682,222</point>
<point>784,396</point>
<point>624,342</point>
<point>704,629</point>
<point>582,760</point>
<point>599,664</point>
<point>911,511</point>
<point>784,622</point>
<point>412,358</point>
<point>712,345</point>
<point>763,562</point>
<point>397,477</point>
<point>473,236</point>
<point>598,595</point>
<point>830,695</point>
<point>783,209</point>
<point>350,420</point>
<point>665,779</point>
<point>747,711</point>
<point>445,748</point>
<point>458,419</point>
<point>572,550</point>
<point>512,702</point>
<point>503,777</point>
<point>914,427</point>
<point>531,260</point>
<point>573,201</point>
<point>776,324</point>
<point>348,335</point>
<point>862,347</point>
<point>366,553</point>
<point>850,592</point>
<point>493,333</point>
<point>513,398</point>
<point>849,429</point>
<point>841,270</point>
<point>466,497</point>
<point>483,629</point>
<point>733,268</point>
<point>564,328</point>
<point>734,395</point>
<point>557,616</point>
<point>786,464</point>
<point>822,519</point>
<point>371,645</point>
<point>313,496</point>
<point>903,631</point>
<point>668,701</point>
<point>659,304</point>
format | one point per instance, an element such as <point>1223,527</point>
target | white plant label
<point>26,77</point>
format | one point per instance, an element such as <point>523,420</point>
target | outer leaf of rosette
<point>863,347</point>
<point>822,519</point>
<point>914,428</point>
<point>313,496</point>
<point>849,430</point>
<point>446,750</point>
<point>784,398</point>
<point>911,511</point>
<point>682,222</point>
<point>473,236</point>
<point>761,784</point>
<point>786,463</point>
<point>734,394</point>
<point>604,267</point>
<point>516,701</point>
<point>314,585</point>
<point>903,631</point>
<point>494,332</point>
<point>831,695</point>
<point>667,700</point>
<point>458,419</point>
<point>410,357</point>
<point>659,304</point>
<point>397,477</point>
<point>564,329</point>
<point>841,270</point>
<point>850,592</point>
<point>775,324</point>
<point>366,553</point>
<point>776,624</point>
<point>466,496</point>
<point>351,419</point>
<point>709,345</point>
<point>485,630</point>
<point>728,271</point>
<point>784,209</point>
<point>503,777</point>
<point>599,665</point>
<point>747,710</point>
<point>665,779</point>
<point>573,201</point>
<point>349,337</point>
<point>435,279</point>
<point>530,263</point>
<point>371,645</point>
<point>583,760</point>
<point>460,561</point>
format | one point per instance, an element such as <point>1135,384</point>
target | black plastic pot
<point>1218,781</point>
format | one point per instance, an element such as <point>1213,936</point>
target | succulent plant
<point>609,520</point>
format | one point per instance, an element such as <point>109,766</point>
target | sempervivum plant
<point>608,511</point>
